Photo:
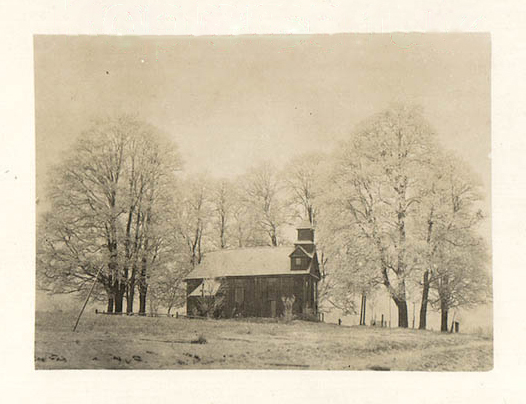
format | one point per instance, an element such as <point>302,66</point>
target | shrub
<point>211,306</point>
<point>288,302</point>
<point>307,317</point>
<point>200,340</point>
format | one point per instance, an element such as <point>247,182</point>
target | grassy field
<point>122,342</point>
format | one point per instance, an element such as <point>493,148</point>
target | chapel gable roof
<point>299,250</point>
<point>245,262</point>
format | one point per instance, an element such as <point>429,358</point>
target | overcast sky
<point>231,101</point>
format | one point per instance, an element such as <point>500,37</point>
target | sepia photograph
<point>278,202</point>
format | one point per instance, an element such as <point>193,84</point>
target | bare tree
<point>86,194</point>
<point>166,287</point>
<point>351,273</point>
<point>241,218</point>
<point>244,228</point>
<point>194,215</point>
<point>455,256</point>
<point>303,179</point>
<point>460,277</point>
<point>68,258</point>
<point>300,183</point>
<point>395,200</point>
<point>326,285</point>
<point>263,195</point>
<point>103,195</point>
<point>223,203</point>
<point>375,191</point>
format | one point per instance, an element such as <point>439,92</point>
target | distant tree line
<point>120,202</point>
<point>392,210</point>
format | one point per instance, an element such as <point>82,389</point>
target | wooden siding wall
<point>255,294</point>
<point>305,234</point>
<point>304,262</point>
<point>260,291</point>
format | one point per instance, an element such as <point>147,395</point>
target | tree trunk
<point>143,289</point>
<point>110,305</point>
<point>119,297</point>
<point>426,282</point>
<point>143,281</point>
<point>364,308</point>
<point>130,290</point>
<point>222,235</point>
<point>127,297</point>
<point>273,236</point>
<point>127,252</point>
<point>423,305</point>
<point>443,293</point>
<point>112,245</point>
<point>403,320</point>
<point>310,213</point>
<point>443,316</point>
<point>399,299</point>
<point>118,304</point>
<point>130,296</point>
<point>136,246</point>
<point>143,284</point>
<point>109,292</point>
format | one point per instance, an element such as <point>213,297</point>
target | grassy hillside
<point>168,343</point>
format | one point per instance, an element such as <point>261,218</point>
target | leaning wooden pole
<point>87,298</point>
<point>361,311</point>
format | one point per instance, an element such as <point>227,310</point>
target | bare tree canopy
<point>109,200</point>
<point>194,214</point>
<point>299,178</point>
<point>263,196</point>
<point>373,205</point>
<point>454,257</point>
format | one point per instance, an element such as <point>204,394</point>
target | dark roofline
<point>292,273</point>
<point>314,258</point>
<point>310,255</point>
<point>304,227</point>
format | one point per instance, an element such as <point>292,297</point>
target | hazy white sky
<point>231,101</point>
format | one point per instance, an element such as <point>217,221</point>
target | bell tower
<point>305,237</point>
